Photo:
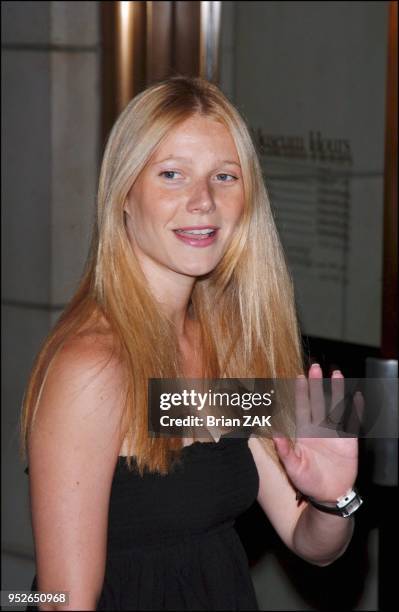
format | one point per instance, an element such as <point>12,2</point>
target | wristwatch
<point>345,505</point>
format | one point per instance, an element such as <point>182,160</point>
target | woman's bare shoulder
<point>86,375</point>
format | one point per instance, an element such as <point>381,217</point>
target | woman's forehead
<point>191,136</point>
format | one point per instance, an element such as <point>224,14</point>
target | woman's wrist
<point>327,502</point>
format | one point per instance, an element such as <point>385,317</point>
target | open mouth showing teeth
<point>199,234</point>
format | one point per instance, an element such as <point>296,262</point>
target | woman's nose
<point>201,198</point>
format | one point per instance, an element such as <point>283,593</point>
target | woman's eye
<point>231,175</point>
<point>168,172</point>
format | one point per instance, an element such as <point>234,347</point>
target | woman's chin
<point>195,269</point>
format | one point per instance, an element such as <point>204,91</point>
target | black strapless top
<point>172,544</point>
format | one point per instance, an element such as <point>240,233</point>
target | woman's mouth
<point>197,236</point>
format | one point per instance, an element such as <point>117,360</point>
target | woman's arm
<point>72,452</point>
<point>322,536</point>
<point>317,537</point>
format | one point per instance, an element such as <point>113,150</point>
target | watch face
<point>352,506</point>
<point>345,499</point>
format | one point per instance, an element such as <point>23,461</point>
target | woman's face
<point>183,209</point>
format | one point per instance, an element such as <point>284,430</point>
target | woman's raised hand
<point>322,463</point>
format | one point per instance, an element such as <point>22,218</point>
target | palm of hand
<point>321,464</point>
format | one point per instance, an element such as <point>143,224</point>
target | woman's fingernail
<point>315,365</point>
<point>337,373</point>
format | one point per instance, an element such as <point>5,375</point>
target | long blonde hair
<point>245,307</point>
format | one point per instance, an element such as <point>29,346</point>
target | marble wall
<point>51,153</point>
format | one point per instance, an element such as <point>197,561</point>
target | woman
<point>186,278</point>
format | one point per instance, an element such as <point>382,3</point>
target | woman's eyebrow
<point>187,159</point>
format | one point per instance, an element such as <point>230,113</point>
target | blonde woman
<point>186,278</point>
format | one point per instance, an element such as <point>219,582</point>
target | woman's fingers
<point>357,414</point>
<point>337,407</point>
<point>302,404</point>
<point>317,403</point>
